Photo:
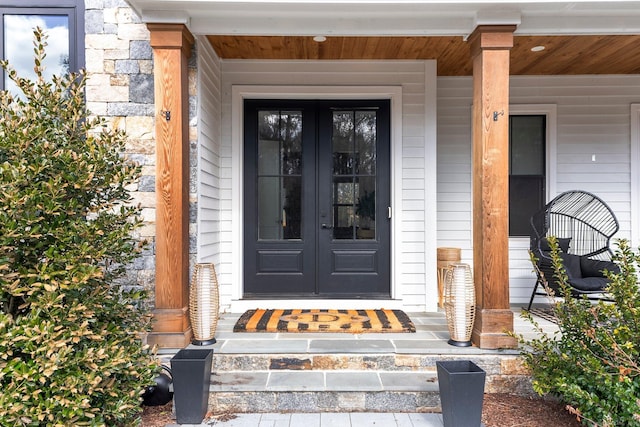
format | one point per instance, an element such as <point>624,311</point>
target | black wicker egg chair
<point>583,225</point>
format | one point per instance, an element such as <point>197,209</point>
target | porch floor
<point>431,337</point>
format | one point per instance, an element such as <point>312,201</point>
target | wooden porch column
<point>490,47</point>
<point>171,45</point>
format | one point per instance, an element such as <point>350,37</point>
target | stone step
<point>344,383</point>
<point>324,401</point>
<point>324,391</point>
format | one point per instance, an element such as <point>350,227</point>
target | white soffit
<point>392,18</point>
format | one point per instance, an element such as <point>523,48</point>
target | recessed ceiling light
<point>537,49</point>
<point>319,39</point>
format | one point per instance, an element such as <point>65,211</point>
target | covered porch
<point>483,41</point>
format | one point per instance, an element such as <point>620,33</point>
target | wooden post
<point>171,45</point>
<point>490,47</point>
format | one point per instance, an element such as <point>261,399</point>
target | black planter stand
<point>191,371</point>
<point>461,384</point>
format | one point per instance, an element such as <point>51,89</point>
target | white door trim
<point>241,92</point>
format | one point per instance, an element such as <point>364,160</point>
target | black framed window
<point>527,170</point>
<point>62,21</point>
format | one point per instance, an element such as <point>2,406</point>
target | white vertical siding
<point>593,119</point>
<point>209,156</point>
<point>409,240</point>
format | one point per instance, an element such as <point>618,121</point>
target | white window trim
<point>635,175</point>
<point>241,92</point>
<point>550,111</point>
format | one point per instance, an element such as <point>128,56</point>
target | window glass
<point>527,145</point>
<point>18,43</point>
<point>63,24</point>
<point>527,167</point>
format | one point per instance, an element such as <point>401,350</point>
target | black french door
<point>316,199</point>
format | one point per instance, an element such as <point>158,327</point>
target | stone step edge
<point>323,381</point>
<point>334,401</point>
<point>320,362</point>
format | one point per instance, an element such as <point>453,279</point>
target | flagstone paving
<point>362,419</point>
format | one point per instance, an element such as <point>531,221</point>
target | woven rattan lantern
<point>459,303</point>
<point>446,257</point>
<point>204,304</point>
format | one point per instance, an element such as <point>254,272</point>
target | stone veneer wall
<point>119,64</point>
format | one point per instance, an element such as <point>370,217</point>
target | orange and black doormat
<point>350,321</point>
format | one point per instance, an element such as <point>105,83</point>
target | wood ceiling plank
<point>623,55</point>
<point>563,55</point>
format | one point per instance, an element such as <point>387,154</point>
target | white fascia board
<point>561,25</point>
<point>166,17</point>
<point>443,4</point>
<point>392,18</point>
<point>312,25</point>
<point>502,16</point>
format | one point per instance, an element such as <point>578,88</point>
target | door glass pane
<point>292,207</point>
<point>354,168</point>
<point>268,142</point>
<point>269,211</point>
<point>345,193</point>
<point>279,175</point>
<point>18,45</point>
<point>366,142</point>
<point>343,203</point>
<point>342,142</point>
<point>291,137</point>
<point>366,207</point>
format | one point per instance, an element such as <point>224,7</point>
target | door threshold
<point>240,306</point>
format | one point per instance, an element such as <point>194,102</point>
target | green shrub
<point>592,362</point>
<point>71,333</point>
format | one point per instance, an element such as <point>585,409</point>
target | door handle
<point>326,226</point>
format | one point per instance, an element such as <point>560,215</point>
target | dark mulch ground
<point>156,416</point>
<point>160,416</point>
<point>499,410</point>
<point>506,410</point>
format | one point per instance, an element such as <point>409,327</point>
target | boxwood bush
<point>71,333</point>
<point>592,363</point>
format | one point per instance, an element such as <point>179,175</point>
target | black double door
<point>316,199</point>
